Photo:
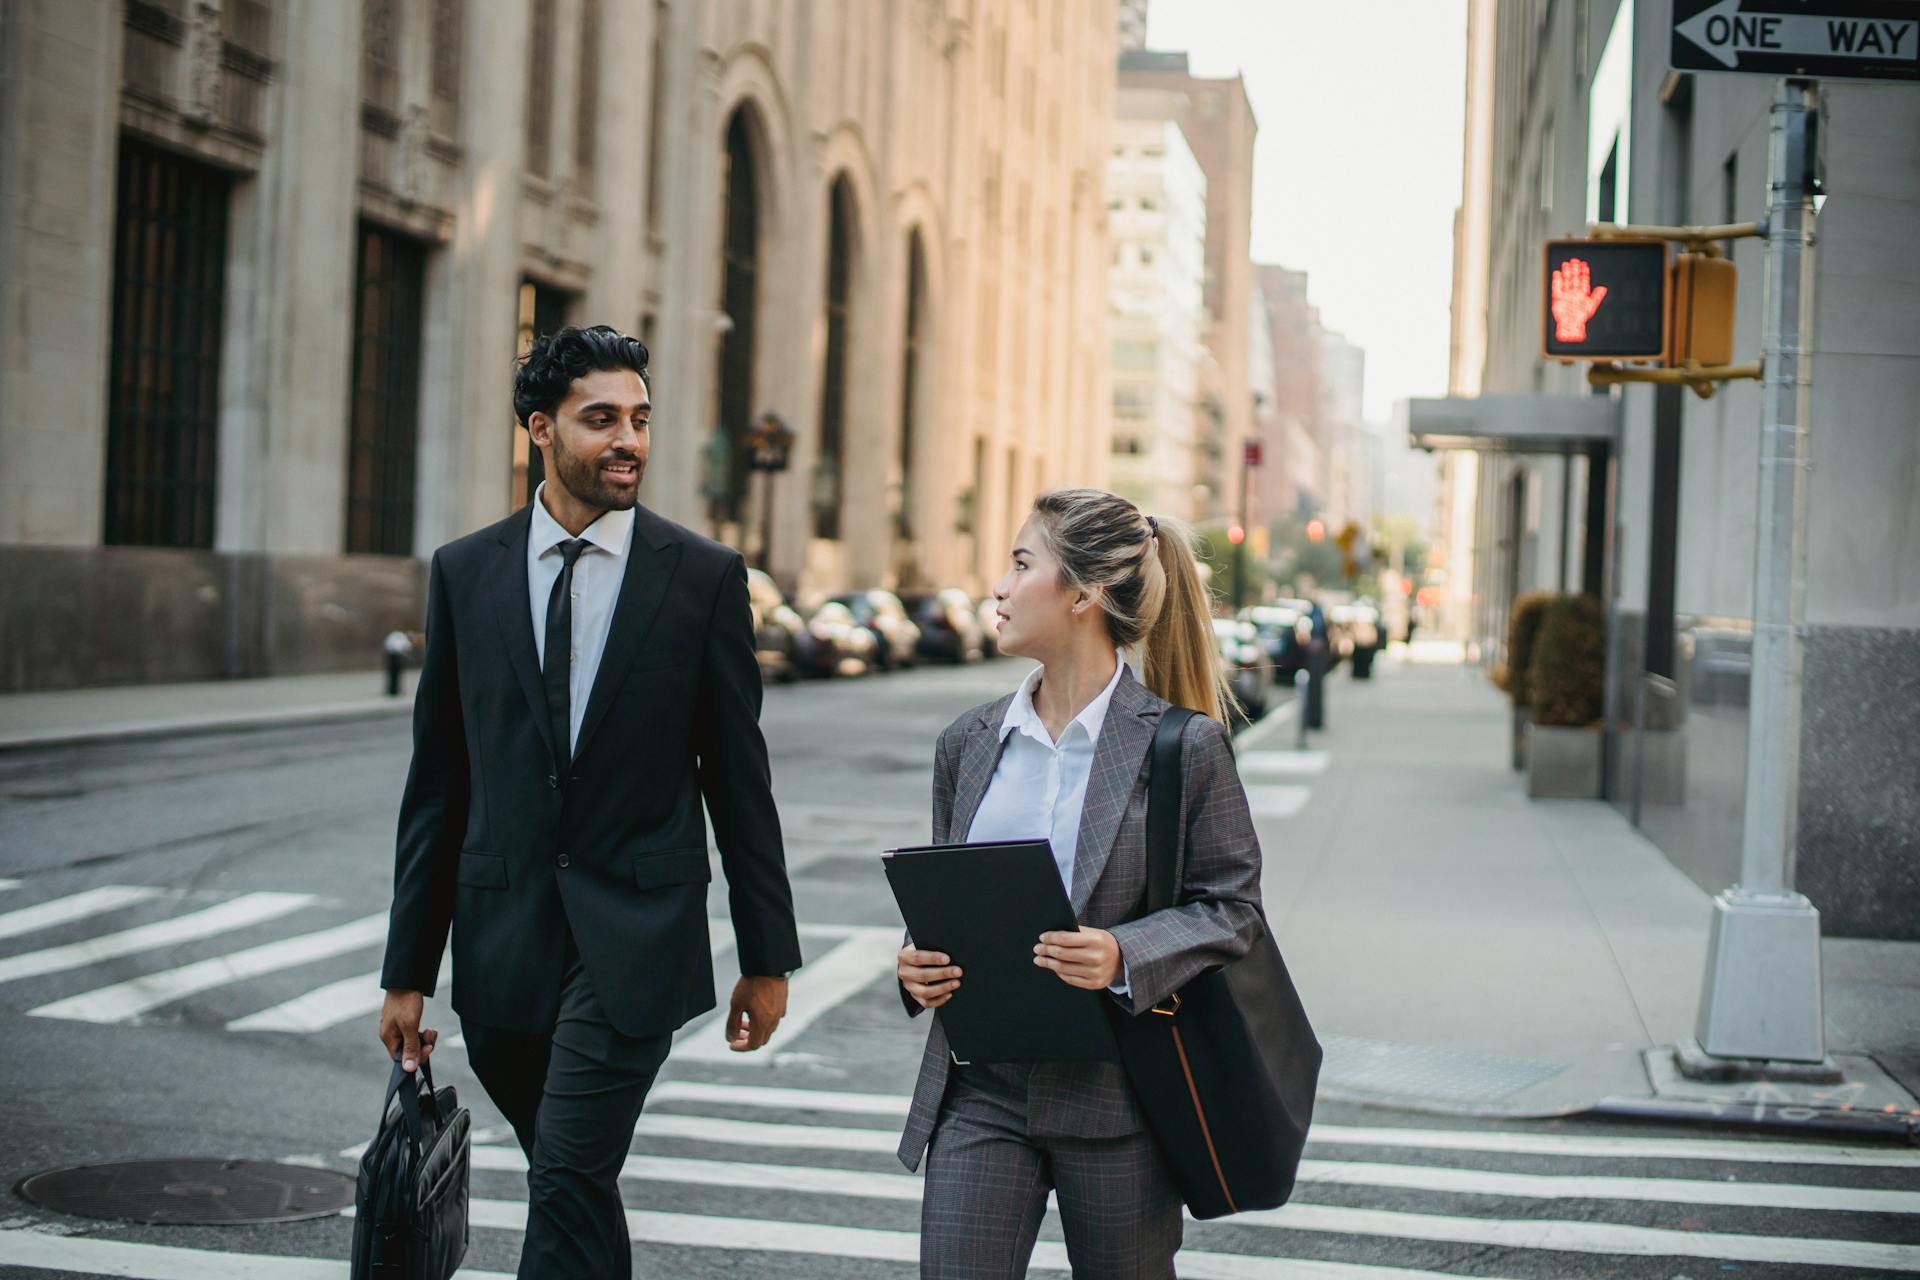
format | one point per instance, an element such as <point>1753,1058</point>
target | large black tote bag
<point>1225,1069</point>
<point>410,1208</point>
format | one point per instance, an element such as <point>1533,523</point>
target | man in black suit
<point>589,676</point>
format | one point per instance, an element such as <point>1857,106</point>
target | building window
<point>911,360</point>
<point>449,27</point>
<point>540,89</point>
<point>383,429</point>
<point>163,396</point>
<point>586,119</point>
<point>740,300</point>
<point>831,470</point>
<point>543,309</point>
<point>380,57</point>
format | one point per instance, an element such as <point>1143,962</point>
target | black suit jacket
<point>494,842</point>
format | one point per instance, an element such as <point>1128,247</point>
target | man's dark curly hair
<point>556,359</point>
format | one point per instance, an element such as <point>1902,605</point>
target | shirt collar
<point>1023,718</point>
<point>610,533</point>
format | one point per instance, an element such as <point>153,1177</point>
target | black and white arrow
<point>1725,32</point>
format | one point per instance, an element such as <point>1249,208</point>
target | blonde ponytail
<point>1150,590</point>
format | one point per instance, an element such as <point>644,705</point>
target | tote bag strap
<point>1163,810</point>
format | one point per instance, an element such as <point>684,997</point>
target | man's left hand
<point>758,1005</point>
<point>1085,957</point>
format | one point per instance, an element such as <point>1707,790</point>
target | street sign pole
<point>1760,1004</point>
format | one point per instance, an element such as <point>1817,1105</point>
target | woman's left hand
<point>1086,957</point>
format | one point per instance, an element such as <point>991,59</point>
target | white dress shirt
<point>597,575</point>
<point>1040,786</point>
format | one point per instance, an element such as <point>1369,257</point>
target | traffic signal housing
<point>1704,288</point>
<point>1605,300</point>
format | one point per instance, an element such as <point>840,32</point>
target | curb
<point>230,722</point>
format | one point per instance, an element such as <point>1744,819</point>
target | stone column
<point>59,131</point>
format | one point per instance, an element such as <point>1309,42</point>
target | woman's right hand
<point>929,977</point>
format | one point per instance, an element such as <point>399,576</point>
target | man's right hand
<point>929,977</point>
<point>400,1029</point>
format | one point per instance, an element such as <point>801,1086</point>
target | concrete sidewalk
<point>1461,948</point>
<point>71,716</point>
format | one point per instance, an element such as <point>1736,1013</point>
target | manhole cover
<point>191,1192</point>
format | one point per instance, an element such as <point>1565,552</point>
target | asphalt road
<point>212,994</point>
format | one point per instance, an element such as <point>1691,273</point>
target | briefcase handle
<point>409,1099</point>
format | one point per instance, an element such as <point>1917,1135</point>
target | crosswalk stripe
<point>1587,1237</point>
<point>701,1231</point>
<point>84,1256</point>
<point>237,913</point>
<point>327,1006</point>
<point>754,1095</point>
<point>891,1186</point>
<point>814,991</point>
<point>124,1000</point>
<point>8,884</point>
<point>761,1133</point>
<point>75,906</point>
<point>713,1129</point>
<point>1273,800</point>
<point>1283,763</point>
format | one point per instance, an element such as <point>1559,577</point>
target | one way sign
<point>1820,39</point>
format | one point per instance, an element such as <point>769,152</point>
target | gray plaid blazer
<point>1216,920</point>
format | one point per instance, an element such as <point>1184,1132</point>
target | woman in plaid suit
<point>1064,757</point>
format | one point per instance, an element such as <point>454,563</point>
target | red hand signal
<point>1574,300</point>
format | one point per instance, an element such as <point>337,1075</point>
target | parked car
<point>1281,636</point>
<point>1248,670</point>
<point>989,615</point>
<point>834,644</point>
<point>882,613</point>
<point>949,628</point>
<point>777,628</point>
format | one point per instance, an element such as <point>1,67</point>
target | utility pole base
<point>1696,1063</point>
<point>1761,1002</point>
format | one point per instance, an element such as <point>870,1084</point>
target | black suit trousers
<point>573,1097</point>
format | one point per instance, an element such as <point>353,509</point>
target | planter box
<point>1520,719</point>
<point>1563,764</point>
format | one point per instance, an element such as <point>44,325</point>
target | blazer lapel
<point>978,759</point>
<point>1125,736</point>
<point>651,561</point>
<point>514,611</point>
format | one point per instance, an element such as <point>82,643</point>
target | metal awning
<point>1512,423</point>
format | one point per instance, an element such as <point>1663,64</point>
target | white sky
<point>1357,161</point>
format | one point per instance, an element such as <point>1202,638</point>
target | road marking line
<point>754,1095</point>
<point>327,1006</point>
<point>124,1000</point>
<point>691,1230</point>
<point>1273,800</point>
<point>75,906</point>
<point>250,909</point>
<point>1321,1135</point>
<point>721,930</point>
<point>761,1133</point>
<point>892,1186</point>
<point>8,884</point>
<point>818,988</point>
<point>88,1256</point>
<point>1283,763</point>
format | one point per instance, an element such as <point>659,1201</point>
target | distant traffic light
<point>1605,300</point>
<point>1316,531</point>
<point>1236,535</point>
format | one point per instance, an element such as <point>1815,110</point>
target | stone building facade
<point>265,265</point>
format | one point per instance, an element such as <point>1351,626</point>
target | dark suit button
<point>563,860</point>
<point>553,780</point>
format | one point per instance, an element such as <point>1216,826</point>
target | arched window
<point>739,300</point>
<point>831,467</point>
<point>911,364</point>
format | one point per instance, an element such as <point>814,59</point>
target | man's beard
<point>581,478</point>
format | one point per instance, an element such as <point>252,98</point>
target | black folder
<point>986,905</point>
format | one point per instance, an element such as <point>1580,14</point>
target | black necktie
<point>556,671</point>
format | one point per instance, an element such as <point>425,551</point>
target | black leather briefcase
<point>1225,1070</point>
<point>410,1209</point>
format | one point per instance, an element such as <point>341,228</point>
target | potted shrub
<point>1523,625</point>
<point>1566,684</point>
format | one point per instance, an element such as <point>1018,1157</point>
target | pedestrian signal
<point>1605,300</point>
<point>1703,296</point>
